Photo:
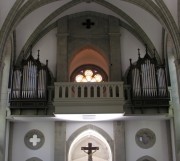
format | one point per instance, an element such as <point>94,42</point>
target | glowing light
<point>88,76</point>
<point>79,78</point>
<point>89,117</point>
<point>88,73</point>
<point>98,77</point>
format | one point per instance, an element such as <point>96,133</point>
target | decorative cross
<point>90,150</point>
<point>34,140</point>
<point>88,23</point>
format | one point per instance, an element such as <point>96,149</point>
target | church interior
<point>89,80</point>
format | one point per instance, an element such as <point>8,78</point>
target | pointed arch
<point>88,55</point>
<point>167,18</point>
<point>96,129</point>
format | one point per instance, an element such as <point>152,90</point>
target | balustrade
<point>88,90</point>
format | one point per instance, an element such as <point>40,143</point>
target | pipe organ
<point>29,83</point>
<point>148,83</point>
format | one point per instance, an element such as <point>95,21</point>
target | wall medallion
<point>145,138</point>
<point>34,139</point>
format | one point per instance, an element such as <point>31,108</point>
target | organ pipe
<point>148,79</point>
<point>30,80</point>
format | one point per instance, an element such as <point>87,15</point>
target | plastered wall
<point>20,152</point>
<point>158,151</point>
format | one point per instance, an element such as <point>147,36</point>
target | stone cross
<point>90,150</point>
<point>34,140</point>
<point>88,23</point>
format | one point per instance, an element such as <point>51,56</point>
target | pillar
<point>60,141</point>
<point>4,79</point>
<point>176,107</point>
<point>119,141</point>
<point>62,48</point>
<point>115,50</point>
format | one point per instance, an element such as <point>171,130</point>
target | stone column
<point>177,64</point>
<point>10,129</point>
<point>1,72</point>
<point>4,73</point>
<point>176,107</point>
<point>115,50</point>
<point>60,141</point>
<point>62,48</point>
<point>119,141</point>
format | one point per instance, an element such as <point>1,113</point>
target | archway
<point>89,134</point>
<point>88,56</point>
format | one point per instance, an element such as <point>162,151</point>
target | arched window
<point>89,73</point>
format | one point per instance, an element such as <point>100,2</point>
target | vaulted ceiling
<point>148,20</point>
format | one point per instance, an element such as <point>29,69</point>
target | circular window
<point>89,73</point>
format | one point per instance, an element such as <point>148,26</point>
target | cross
<point>88,23</point>
<point>34,140</point>
<point>90,150</point>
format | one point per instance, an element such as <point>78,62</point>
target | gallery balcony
<point>88,98</point>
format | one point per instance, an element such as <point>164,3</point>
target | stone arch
<point>137,31</point>
<point>34,159</point>
<point>163,15</point>
<point>159,10</point>
<point>94,128</point>
<point>35,37</point>
<point>103,3</point>
<point>92,57</point>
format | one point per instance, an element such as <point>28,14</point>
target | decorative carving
<point>146,158</point>
<point>145,138</point>
<point>34,139</point>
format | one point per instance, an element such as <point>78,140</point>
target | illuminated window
<point>88,73</point>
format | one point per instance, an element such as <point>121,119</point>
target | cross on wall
<point>34,140</point>
<point>88,23</point>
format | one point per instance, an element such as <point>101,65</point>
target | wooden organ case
<point>149,89</point>
<point>29,84</point>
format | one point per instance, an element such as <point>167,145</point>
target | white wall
<point>145,20</point>
<point>159,151</point>
<point>5,6</point>
<point>172,6</point>
<point>30,22</point>
<point>129,49</point>
<point>19,150</point>
<point>48,49</point>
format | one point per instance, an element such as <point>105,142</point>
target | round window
<point>88,73</point>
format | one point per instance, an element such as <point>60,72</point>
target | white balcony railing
<point>88,90</point>
<point>102,97</point>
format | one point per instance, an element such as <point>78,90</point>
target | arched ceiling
<point>40,15</point>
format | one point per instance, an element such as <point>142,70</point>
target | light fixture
<point>90,117</point>
<point>88,76</point>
